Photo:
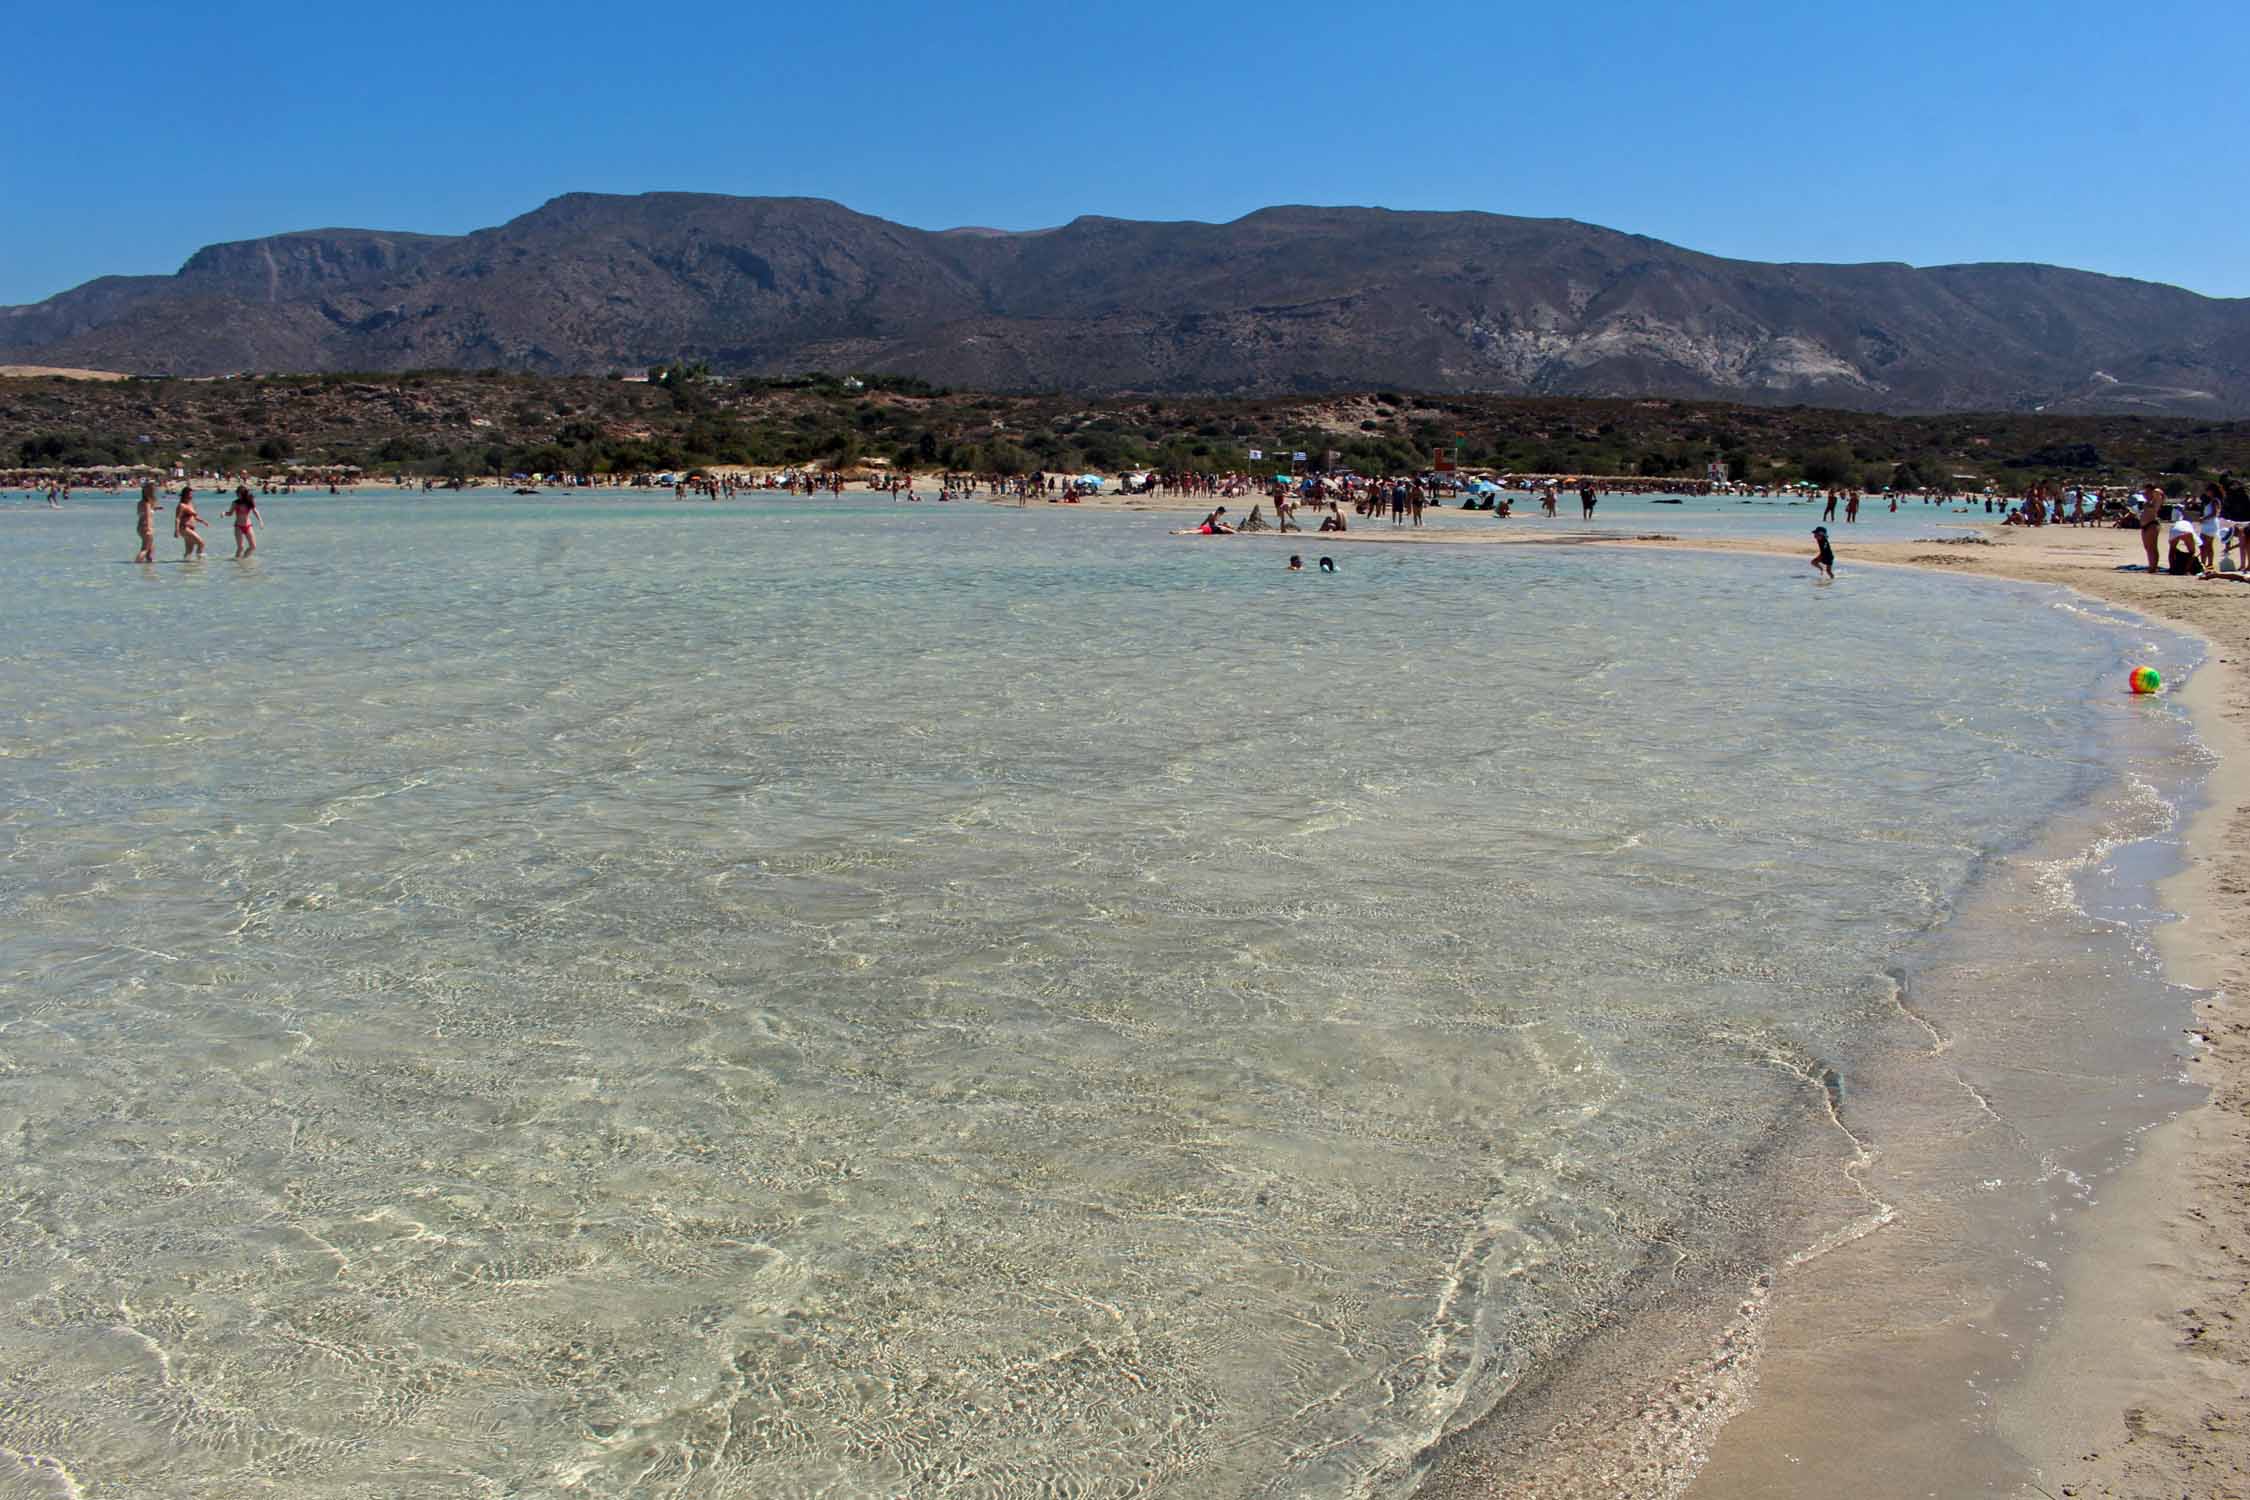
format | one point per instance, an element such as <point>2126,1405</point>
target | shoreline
<point>2137,1388</point>
<point>2139,1385</point>
<point>2162,1262</point>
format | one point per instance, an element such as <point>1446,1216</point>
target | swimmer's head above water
<point>1328,565</point>
<point>1296,563</point>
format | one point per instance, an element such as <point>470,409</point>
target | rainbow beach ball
<point>2146,680</point>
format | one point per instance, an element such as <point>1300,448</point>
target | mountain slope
<point>1285,299</point>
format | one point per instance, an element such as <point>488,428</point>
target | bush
<point>69,450</point>
<point>902,385</point>
<point>1003,458</point>
<point>1830,467</point>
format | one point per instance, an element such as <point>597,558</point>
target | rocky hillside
<point>499,423</point>
<point>1294,300</point>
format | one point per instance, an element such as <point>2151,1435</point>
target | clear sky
<point>2110,136</point>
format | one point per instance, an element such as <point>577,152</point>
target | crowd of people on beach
<point>2194,537</point>
<point>58,485</point>
<point>2058,505</point>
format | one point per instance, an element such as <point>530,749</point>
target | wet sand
<point>2140,1385</point>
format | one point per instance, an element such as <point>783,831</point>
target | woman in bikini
<point>245,514</point>
<point>2152,525</point>
<point>185,518</point>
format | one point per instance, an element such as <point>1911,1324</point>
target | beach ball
<point>2146,679</point>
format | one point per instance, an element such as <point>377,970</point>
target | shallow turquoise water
<point>1700,516</point>
<point>833,998</point>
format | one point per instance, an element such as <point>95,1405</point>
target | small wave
<point>1940,1043</point>
<point>2141,814</point>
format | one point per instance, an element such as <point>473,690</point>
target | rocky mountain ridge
<point>1292,299</point>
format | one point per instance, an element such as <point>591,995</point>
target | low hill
<point>442,423</point>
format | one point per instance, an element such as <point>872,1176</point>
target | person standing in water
<point>144,517</point>
<point>1824,559</point>
<point>185,518</point>
<point>245,514</point>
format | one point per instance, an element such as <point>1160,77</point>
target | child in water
<point>1824,559</point>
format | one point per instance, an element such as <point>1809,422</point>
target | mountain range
<point>1284,300</point>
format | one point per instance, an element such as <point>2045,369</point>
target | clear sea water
<point>1691,517</point>
<point>800,998</point>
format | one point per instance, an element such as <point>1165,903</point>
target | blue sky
<point>2106,136</point>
